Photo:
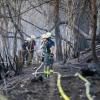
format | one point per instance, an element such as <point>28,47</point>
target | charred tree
<point>59,55</point>
<point>94,28</point>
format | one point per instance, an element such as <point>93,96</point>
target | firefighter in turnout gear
<point>25,50</point>
<point>32,47</point>
<point>47,52</point>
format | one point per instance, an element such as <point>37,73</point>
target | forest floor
<point>22,88</point>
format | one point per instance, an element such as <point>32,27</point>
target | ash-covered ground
<point>22,87</point>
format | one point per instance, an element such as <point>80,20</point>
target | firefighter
<point>25,49</point>
<point>32,47</point>
<point>47,51</point>
<point>52,48</point>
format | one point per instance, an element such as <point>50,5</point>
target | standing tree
<point>94,28</point>
<point>59,55</point>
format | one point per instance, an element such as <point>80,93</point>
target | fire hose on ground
<point>87,85</point>
<point>61,91</point>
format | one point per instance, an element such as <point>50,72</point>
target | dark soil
<point>23,88</point>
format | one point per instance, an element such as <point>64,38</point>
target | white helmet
<point>33,37</point>
<point>28,39</point>
<point>44,36</point>
<point>48,34</point>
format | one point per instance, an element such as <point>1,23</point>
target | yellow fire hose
<point>61,91</point>
<point>87,85</point>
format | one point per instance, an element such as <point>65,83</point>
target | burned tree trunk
<point>59,55</point>
<point>94,28</point>
<point>18,22</point>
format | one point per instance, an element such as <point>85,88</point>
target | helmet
<point>28,39</point>
<point>44,36</point>
<point>48,34</point>
<point>25,40</point>
<point>33,37</point>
